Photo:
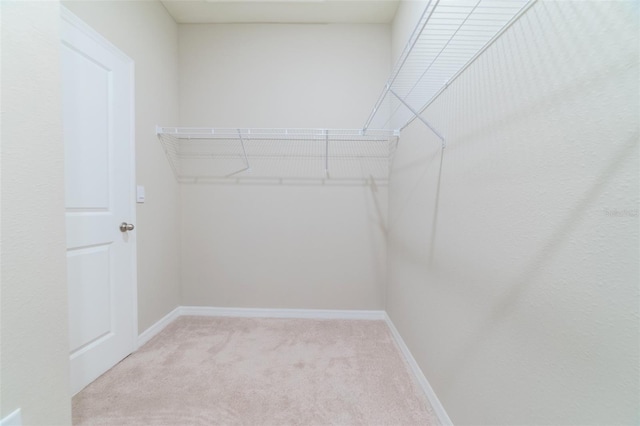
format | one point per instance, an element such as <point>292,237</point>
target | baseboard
<point>422,380</point>
<point>282,313</point>
<point>156,328</point>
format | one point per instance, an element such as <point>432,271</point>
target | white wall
<point>148,34</point>
<point>514,253</point>
<point>282,245</point>
<point>404,23</point>
<point>272,75</point>
<point>33,319</point>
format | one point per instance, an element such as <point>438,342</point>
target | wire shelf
<point>212,154</point>
<point>449,35</point>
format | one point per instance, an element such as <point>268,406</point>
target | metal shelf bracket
<point>244,151</point>
<point>419,117</point>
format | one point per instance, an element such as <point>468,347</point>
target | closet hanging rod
<point>197,153</point>
<point>280,134</point>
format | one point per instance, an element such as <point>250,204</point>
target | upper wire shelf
<point>448,37</point>
<point>215,154</point>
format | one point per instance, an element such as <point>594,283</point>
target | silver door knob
<point>124,227</point>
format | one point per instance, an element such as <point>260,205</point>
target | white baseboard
<point>422,380</point>
<point>156,328</point>
<point>282,313</point>
<point>13,419</point>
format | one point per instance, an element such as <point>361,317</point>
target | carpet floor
<point>249,371</point>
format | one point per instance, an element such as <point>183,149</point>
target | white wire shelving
<point>214,154</point>
<point>448,37</point>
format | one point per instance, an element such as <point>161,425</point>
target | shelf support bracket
<point>244,151</point>
<point>419,117</point>
<point>326,152</point>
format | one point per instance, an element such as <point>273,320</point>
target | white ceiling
<point>283,11</point>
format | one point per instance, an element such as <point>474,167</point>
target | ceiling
<point>283,11</point>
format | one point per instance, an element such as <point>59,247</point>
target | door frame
<point>70,18</point>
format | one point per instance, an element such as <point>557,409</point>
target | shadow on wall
<point>426,164</point>
<point>420,163</point>
<point>508,301</point>
<point>540,289</point>
<point>492,108</point>
<point>436,204</point>
<point>551,71</point>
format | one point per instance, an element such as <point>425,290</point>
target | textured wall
<point>279,245</point>
<point>284,246</point>
<point>147,34</point>
<point>513,254</point>
<point>33,319</point>
<point>270,75</point>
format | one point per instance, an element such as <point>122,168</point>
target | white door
<point>97,96</point>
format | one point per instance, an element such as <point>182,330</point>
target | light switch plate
<point>140,194</point>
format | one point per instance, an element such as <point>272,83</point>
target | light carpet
<point>249,371</point>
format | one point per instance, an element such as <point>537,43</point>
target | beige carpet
<point>245,371</point>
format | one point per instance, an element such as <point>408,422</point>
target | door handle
<point>124,227</point>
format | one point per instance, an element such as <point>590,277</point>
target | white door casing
<point>97,96</point>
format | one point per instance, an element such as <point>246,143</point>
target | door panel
<point>89,295</point>
<point>97,87</point>
<point>87,138</point>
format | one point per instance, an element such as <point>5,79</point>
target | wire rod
<point>244,151</point>
<point>201,154</point>
<point>420,118</point>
